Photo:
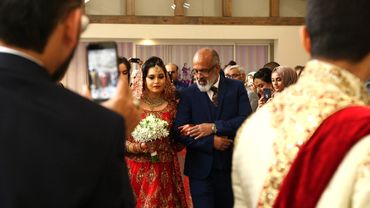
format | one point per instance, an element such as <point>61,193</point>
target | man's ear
<point>218,68</point>
<point>72,27</point>
<point>305,39</point>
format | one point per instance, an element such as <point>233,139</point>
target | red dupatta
<point>320,156</point>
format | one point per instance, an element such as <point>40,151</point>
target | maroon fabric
<point>319,158</point>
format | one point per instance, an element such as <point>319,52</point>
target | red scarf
<point>320,156</point>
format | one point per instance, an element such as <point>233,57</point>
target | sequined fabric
<point>298,111</point>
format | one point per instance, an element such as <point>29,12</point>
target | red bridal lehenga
<point>158,184</point>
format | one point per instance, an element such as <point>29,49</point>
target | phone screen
<point>102,69</point>
<point>266,93</point>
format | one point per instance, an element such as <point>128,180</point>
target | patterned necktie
<point>214,96</point>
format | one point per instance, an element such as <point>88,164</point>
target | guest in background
<point>124,68</point>
<point>231,63</point>
<point>271,65</point>
<point>282,77</point>
<point>173,72</point>
<point>235,72</point>
<point>156,183</point>
<point>209,113</point>
<point>249,81</point>
<point>262,80</point>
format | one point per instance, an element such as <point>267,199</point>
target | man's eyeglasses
<point>203,72</point>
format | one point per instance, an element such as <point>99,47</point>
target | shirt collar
<point>4,49</point>
<point>217,82</point>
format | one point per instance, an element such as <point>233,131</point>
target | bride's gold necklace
<point>153,102</point>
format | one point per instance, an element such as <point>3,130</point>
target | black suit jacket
<point>57,149</point>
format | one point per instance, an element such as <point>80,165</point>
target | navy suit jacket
<point>57,149</point>
<point>195,107</point>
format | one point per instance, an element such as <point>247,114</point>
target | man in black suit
<point>57,149</point>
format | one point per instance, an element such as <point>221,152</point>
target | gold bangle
<point>132,150</point>
<point>137,147</point>
<point>127,146</point>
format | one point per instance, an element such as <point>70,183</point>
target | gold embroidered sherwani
<point>269,140</point>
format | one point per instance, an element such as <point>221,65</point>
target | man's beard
<point>62,69</point>
<point>204,87</point>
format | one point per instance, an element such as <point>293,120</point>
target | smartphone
<point>266,94</point>
<point>102,65</point>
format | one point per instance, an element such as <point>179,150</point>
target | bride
<point>155,183</point>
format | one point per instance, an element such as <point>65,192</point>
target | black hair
<point>152,62</point>
<point>231,63</point>
<point>339,29</point>
<point>123,60</point>
<point>300,69</point>
<point>263,74</point>
<point>271,65</point>
<point>28,24</point>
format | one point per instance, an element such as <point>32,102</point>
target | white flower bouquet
<point>149,129</point>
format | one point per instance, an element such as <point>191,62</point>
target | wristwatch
<point>214,128</point>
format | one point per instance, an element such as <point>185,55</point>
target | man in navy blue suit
<point>208,116</point>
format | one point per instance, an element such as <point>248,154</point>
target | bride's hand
<point>150,147</point>
<point>144,147</point>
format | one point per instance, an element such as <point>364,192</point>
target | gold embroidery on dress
<point>323,89</point>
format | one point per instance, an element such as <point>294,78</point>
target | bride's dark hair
<point>139,82</point>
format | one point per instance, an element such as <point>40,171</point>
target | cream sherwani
<point>269,140</point>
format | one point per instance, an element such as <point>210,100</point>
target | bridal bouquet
<point>149,129</point>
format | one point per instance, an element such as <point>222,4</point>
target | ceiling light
<point>186,5</point>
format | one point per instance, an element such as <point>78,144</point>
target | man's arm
<point>183,117</point>
<point>229,127</point>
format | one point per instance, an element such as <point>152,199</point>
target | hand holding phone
<point>266,94</point>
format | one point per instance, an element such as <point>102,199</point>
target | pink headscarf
<point>287,74</point>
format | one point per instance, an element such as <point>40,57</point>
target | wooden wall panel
<point>274,8</point>
<point>196,20</point>
<point>130,7</point>
<point>227,8</point>
<point>179,10</point>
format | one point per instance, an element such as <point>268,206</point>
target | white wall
<point>251,8</point>
<point>287,46</point>
<point>292,8</point>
